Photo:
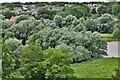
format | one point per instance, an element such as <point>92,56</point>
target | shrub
<point>58,20</point>
<point>116,33</point>
<point>76,10</point>
<point>45,13</point>
<point>115,8</point>
<point>8,13</point>
<point>105,23</point>
<point>13,43</point>
<point>9,34</point>
<point>102,9</point>
<point>117,75</point>
<point>58,64</point>
<point>51,63</point>
<point>26,28</point>
<point>2,16</point>
<point>31,62</point>
<point>21,17</point>
<point>91,25</point>
<point>4,25</point>
<point>8,61</point>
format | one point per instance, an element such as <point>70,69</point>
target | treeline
<point>18,4</point>
<point>78,10</point>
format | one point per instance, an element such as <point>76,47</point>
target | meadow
<point>96,68</point>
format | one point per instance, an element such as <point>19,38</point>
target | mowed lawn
<point>97,68</point>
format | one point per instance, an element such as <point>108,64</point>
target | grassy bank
<point>109,37</point>
<point>97,68</point>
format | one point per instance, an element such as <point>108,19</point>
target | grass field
<point>97,68</point>
<point>109,37</point>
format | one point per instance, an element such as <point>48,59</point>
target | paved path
<point>113,49</point>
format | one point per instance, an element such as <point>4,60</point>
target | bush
<point>45,13</point>
<point>58,64</point>
<point>2,16</point>
<point>8,13</point>
<point>8,61</point>
<point>117,75</point>
<point>4,25</point>
<point>13,43</point>
<point>81,54</point>
<point>79,28</point>
<point>58,20</point>
<point>21,17</point>
<point>76,10</point>
<point>9,34</point>
<point>115,8</point>
<point>116,33</point>
<point>31,62</point>
<point>102,9</point>
<point>26,28</point>
<point>63,13</point>
<point>91,25</point>
<point>51,63</point>
<point>105,23</point>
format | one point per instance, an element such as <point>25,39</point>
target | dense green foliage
<point>4,25</point>
<point>21,17</point>
<point>102,9</point>
<point>58,64</point>
<point>44,47</point>
<point>25,28</point>
<point>72,37</point>
<point>38,64</point>
<point>8,13</point>
<point>8,61</point>
<point>2,16</point>
<point>45,13</point>
<point>8,34</point>
<point>91,25</point>
<point>111,8</point>
<point>76,10</point>
<point>105,23</point>
<point>31,59</point>
<point>12,5</point>
<point>116,33</point>
<point>13,43</point>
<point>116,8</point>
